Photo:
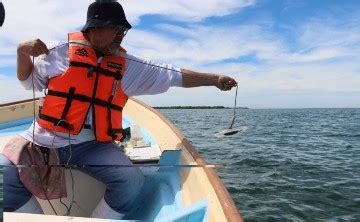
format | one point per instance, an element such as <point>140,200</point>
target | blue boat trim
<point>15,127</point>
<point>19,126</point>
<point>148,139</point>
<point>161,196</point>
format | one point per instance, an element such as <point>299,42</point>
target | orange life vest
<point>89,81</point>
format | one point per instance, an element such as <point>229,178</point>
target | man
<point>89,80</point>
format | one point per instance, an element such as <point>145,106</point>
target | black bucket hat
<point>2,14</point>
<point>101,14</point>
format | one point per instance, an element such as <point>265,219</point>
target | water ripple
<point>290,165</point>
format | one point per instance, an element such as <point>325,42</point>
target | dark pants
<point>123,184</point>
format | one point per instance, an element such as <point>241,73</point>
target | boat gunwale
<point>227,203</point>
<point>18,102</point>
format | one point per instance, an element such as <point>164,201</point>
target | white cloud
<point>11,90</point>
<point>325,61</point>
<point>7,61</point>
<point>331,31</point>
<point>326,78</point>
<point>50,20</point>
<point>203,44</point>
<point>185,10</point>
<point>318,54</point>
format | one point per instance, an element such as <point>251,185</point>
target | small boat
<point>179,186</point>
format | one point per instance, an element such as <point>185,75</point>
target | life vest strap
<point>113,132</point>
<point>57,122</point>
<point>87,126</point>
<point>79,43</point>
<point>92,68</point>
<point>110,133</point>
<point>68,102</point>
<point>87,99</point>
<point>118,130</point>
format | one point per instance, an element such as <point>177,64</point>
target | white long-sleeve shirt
<point>142,77</point>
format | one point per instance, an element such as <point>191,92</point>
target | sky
<point>283,53</point>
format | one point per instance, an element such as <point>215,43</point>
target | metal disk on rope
<point>231,131</point>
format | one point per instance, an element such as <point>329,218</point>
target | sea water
<point>289,165</point>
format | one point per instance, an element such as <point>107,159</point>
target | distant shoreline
<point>197,107</point>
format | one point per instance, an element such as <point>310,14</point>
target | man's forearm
<point>195,79</point>
<point>26,49</point>
<point>24,65</point>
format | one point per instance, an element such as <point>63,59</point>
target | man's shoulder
<point>56,51</point>
<point>59,46</point>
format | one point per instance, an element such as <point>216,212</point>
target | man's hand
<point>195,79</point>
<point>33,47</point>
<point>225,83</point>
<point>24,50</point>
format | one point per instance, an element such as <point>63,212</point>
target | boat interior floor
<point>161,198</point>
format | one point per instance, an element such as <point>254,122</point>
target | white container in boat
<point>136,138</point>
<point>135,131</point>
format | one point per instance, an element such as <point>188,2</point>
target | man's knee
<point>122,194</point>
<point>133,179</point>
<point>4,161</point>
<point>136,179</point>
<point>15,193</point>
